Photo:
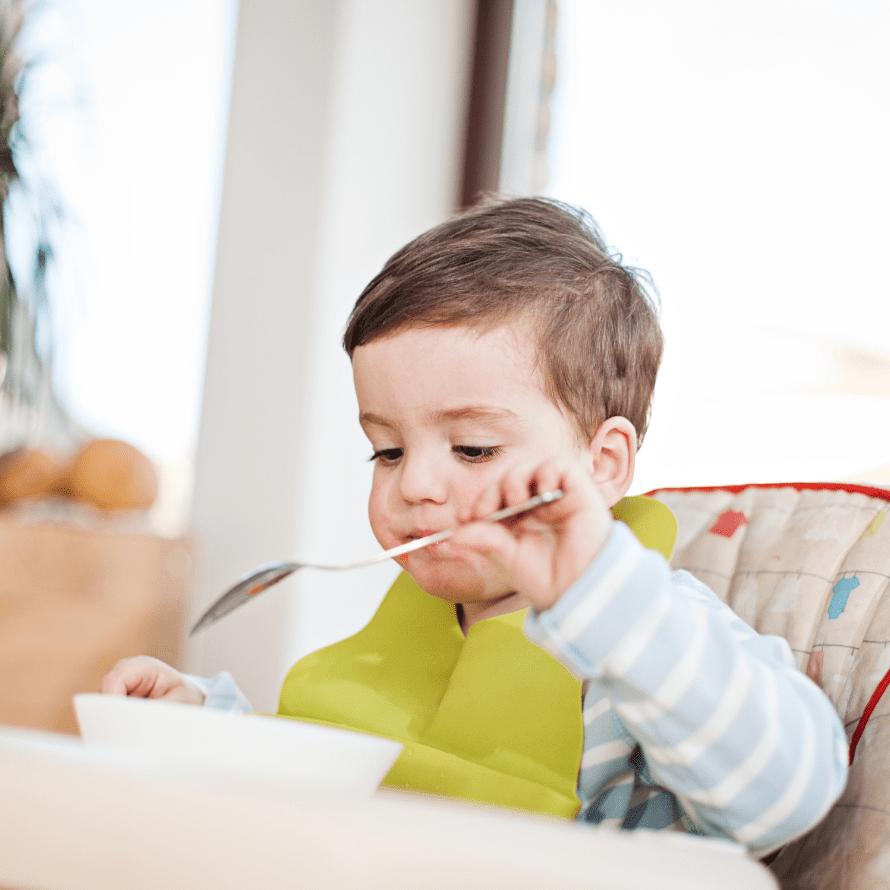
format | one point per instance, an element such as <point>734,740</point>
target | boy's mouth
<point>415,535</point>
<point>423,533</point>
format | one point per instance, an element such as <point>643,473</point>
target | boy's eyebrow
<point>367,417</point>
<point>474,412</point>
<point>469,412</point>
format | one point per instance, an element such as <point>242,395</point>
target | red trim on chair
<point>868,490</point>
<point>869,708</point>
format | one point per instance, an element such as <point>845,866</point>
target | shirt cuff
<point>222,693</point>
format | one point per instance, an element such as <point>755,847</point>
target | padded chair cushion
<point>811,563</point>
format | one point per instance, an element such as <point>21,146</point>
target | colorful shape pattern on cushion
<point>840,594</point>
<point>811,563</point>
<point>728,523</point>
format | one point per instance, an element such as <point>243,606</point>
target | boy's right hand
<point>147,677</point>
<point>543,552</point>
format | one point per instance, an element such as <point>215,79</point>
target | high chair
<point>811,562</point>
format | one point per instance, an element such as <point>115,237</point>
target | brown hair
<point>598,337</point>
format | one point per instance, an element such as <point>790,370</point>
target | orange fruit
<point>29,473</point>
<point>113,475</point>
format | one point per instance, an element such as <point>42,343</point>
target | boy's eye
<point>387,455</point>
<point>477,453</point>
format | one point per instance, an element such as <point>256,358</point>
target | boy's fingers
<point>518,486</point>
<point>115,682</point>
<point>551,476</point>
<point>490,538</point>
<point>487,503</point>
<point>140,676</point>
<point>128,684</point>
<point>548,476</point>
<point>113,686</point>
<point>528,479</point>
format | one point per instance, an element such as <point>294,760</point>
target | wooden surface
<point>74,598</point>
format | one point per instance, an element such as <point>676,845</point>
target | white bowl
<point>238,747</point>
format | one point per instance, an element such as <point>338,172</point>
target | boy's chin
<point>454,583</point>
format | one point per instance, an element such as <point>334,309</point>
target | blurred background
<point>205,186</point>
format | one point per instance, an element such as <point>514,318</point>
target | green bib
<point>488,716</point>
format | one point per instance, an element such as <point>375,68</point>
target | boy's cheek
<point>377,516</point>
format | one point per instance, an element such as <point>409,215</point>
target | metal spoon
<point>265,576</point>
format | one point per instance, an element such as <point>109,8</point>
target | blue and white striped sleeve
<point>222,693</point>
<point>752,749</point>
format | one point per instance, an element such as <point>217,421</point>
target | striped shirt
<point>692,721</point>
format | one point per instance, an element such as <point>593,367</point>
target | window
<point>737,151</point>
<point>129,104</point>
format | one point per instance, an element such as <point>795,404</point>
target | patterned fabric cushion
<point>811,563</point>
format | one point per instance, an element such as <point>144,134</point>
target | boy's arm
<point>752,749</point>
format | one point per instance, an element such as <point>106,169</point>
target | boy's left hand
<point>543,552</point>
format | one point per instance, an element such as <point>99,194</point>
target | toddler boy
<point>502,354</point>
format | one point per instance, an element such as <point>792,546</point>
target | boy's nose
<point>419,481</point>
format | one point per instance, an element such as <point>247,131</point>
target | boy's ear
<point>613,451</point>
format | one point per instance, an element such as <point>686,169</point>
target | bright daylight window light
<point>132,101</point>
<point>738,152</point>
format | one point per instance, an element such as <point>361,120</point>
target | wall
<point>345,141</point>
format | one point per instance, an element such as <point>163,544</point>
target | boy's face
<point>448,411</point>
